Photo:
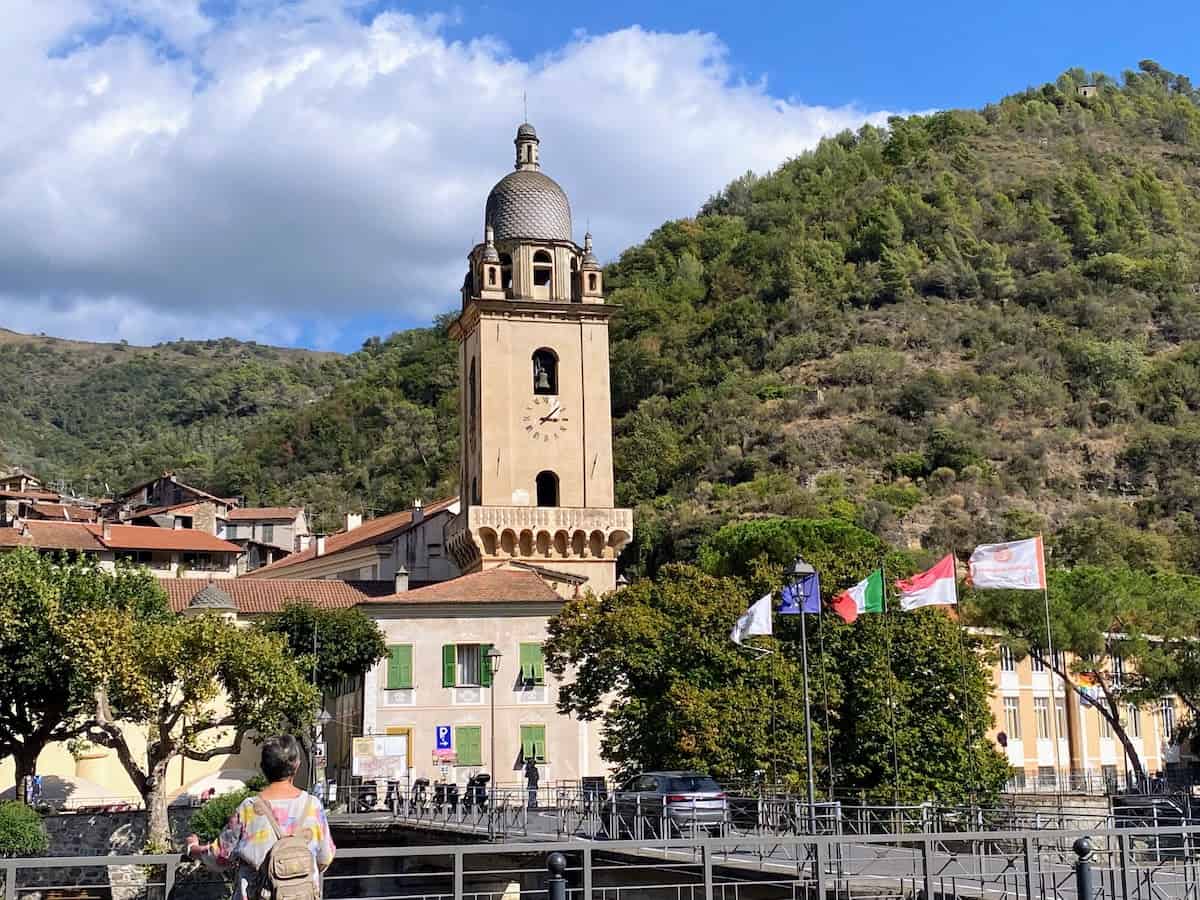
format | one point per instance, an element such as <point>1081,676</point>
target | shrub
<point>21,831</point>
<point>208,821</point>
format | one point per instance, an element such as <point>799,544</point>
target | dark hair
<point>280,757</point>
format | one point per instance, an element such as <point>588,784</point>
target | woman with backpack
<point>278,841</point>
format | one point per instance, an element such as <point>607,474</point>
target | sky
<point>314,172</point>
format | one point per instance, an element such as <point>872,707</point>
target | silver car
<point>666,804</point>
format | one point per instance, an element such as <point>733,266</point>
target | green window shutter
<point>485,671</point>
<point>403,656</point>
<point>449,658</point>
<point>468,744</point>
<point>539,664</point>
<point>533,669</point>
<point>399,671</point>
<point>533,742</point>
<point>526,665</point>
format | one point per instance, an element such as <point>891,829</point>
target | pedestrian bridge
<point>1105,864</point>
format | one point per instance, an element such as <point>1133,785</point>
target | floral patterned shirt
<point>248,837</point>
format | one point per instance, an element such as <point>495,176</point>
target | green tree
<point>45,695</point>
<point>197,685</point>
<point>683,695</point>
<point>347,641</point>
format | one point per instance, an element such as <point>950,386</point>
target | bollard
<point>1083,869</point>
<point>556,882</point>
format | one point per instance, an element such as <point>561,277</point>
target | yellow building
<point>1053,737</point>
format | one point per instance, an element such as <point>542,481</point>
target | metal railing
<point>1119,864</point>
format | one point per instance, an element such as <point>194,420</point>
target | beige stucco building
<point>435,688</point>
<point>1032,712</point>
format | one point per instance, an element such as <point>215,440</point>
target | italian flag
<point>933,587</point>
<point>864,597</point>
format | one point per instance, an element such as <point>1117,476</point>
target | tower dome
<point>526,204</point>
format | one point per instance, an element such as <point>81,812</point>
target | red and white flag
<point>933,587</point>
<point>1017,565</point>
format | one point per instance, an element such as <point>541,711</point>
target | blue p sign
<point>443,737</point>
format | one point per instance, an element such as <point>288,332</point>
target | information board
<point>381,756</point>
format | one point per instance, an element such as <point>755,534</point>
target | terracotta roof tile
<point>265,512</point>
<point>255,597</point>
<point>372,531</point>
<point>49,535</point>
<point>488,586</point>
<point>65,512</point>
<point>148,537</point>
<point>159,510</point>
<point>30,495</point>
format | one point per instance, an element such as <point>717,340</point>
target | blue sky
<point>880,55</point>
<point>312,172</point>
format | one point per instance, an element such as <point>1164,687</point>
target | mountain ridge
<point>970,325</point>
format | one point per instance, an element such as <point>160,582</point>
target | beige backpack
<point>289,871</point>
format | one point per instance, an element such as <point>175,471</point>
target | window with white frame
<point>1133,716</point>
<point>1007,663</point>
<point>1106,729</point>
<point>467,664</point>
<point>1166,714</point>
<point>1118,669</point>
<point>1012,717</point>
<point>1041,714</point>
<point>1035,660</point>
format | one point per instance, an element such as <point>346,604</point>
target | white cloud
<point>175,175</point>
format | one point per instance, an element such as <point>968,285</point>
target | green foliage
<point>46,691</point>
<point>348,642</point>
<point>21,831</point>
<point>189,680</point>
<point>683,695</point>
<point>208,821</point>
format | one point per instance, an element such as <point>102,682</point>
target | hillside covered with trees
<point>966,326</point>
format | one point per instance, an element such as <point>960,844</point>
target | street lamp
<point>800,571</point>
<point>493,664</point>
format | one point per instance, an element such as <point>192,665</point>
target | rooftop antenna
<point>525,104</point>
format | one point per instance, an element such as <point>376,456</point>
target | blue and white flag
<point>807,599</point>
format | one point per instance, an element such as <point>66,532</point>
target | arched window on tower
<point>506,281</point>
<point>547,489</point>
<point>543,273</point>
<point>545,371</point>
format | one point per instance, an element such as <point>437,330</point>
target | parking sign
<point>443,737</point>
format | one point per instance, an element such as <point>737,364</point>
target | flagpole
<point>825,691</point>
<point>962,657</point>
<point>887,632</point>
<point>1051,675</point>
<point>808,744</point>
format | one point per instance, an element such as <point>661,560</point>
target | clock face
<point>544,419</point>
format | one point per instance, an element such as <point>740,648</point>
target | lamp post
<point>493,664</point>
<point>800,571</point>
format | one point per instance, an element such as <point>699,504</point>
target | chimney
<point>418,512</point>
<point>105,532</point>
<point>302,542</point>
<point>320,545</point>
<point>401,580</point>
<point>353,520</point>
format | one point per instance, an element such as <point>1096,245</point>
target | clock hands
<point>552,416</point>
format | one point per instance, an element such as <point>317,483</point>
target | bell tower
<point>536,413</point>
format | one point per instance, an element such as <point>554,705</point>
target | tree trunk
<point>158,838</point>
<point>25,761</point>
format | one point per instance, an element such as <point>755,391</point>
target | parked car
<point>666,804</point>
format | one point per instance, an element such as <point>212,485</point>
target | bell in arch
<point>541,378</point>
